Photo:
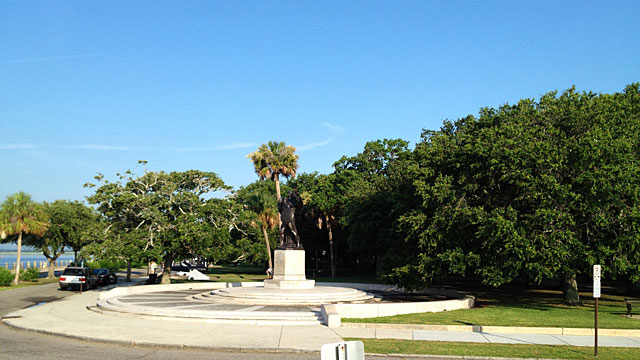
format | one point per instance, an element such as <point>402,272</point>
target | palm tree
<point>274,159</point>
<point>261,204</point>
<point>21,215</point>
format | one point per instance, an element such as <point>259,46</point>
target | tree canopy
<point>538,189</point>
<point>274,159</point>
<point>164,213</point>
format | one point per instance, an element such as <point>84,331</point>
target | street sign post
<point>349,350</point>
<point>597,271</point>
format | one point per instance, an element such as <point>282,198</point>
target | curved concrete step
<point>270,296</point>
<point>114,307</point>
<point>266,301</point>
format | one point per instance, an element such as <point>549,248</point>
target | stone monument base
<point>288,272</point>
<point>289,284</point>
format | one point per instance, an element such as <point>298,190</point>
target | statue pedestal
<point>288,272</point>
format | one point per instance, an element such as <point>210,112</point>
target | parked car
<point>185,266</point>
<point>78,277</point>
<point>105,276</point>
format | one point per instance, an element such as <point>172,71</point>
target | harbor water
<point>27,260</point>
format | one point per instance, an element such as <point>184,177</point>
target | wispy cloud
<point>232,146</point>
<point>238,145</point>
<point>334,130</point>
<point>50,58</point>
<point>17,146</point>
<point>99,147</point>
<point>313,145</point>
<point>104,147</point>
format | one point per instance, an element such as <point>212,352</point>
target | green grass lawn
<point>248,272</point>
<point>524,307</point>
<point>390,346</point>
<point>236,273</point>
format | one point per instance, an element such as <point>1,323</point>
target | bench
<point>629,302</point>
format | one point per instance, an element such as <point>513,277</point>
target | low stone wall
<point>333,313</point>
<point>362,286</point>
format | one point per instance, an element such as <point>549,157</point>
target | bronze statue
<point>289,238</point>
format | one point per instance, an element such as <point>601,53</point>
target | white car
<point>78,277</point>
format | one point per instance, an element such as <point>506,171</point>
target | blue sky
<point>89,87</point>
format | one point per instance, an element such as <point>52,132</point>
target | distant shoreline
<point>23,253</point>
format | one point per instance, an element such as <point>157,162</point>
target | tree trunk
<point>266,240</point>
<point>128,270</point>
<point>570,289</point>
<point>52,268</point>
<point>19,254</point>
<point>166,270</point>
<point>277,180</point>
<point>332,259</point>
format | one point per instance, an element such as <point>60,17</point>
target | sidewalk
<point>486,337</point>
<point>71,318</point>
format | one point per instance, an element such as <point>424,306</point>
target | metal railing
<point>43,265</point>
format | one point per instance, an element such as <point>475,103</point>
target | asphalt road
<point>18,344</point>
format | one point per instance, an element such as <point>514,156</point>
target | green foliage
<point>163,217</point>
<point>274,159</point>
<point>535,189</point>
<point>30,274</point>
<point>21,215</point>
<point>71,223</point>
<point>113,265</point>
<point>260,201</point>
<point>5,277</point>
<point>377,190</point>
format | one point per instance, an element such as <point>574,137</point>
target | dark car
<point>105,276</point>
<point>78,277</point>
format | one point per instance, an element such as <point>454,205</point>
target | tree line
<point>541,189</point>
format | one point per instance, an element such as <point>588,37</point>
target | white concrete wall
<point>389,309</point>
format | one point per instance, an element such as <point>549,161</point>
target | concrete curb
<point>498,329</point>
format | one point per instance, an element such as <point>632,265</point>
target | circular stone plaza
<point>286,299</point>
<point>252,303</point>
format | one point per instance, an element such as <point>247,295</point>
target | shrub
<point>31,274</point>
<point>5,277</point>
